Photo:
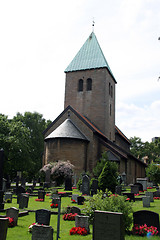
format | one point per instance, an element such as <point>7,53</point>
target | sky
<point>38,40</point>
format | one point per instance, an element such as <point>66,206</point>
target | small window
<point>110,110</point>
<point>89,84</point>
<point>80,85</point>
<point>111,91</point>
<point>109,88</point>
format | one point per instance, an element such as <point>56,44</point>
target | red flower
<point>78,230</point>
<point>73,200</point>
<point>54,205</point>
<point>69,216</point>
<point>11,222</point>
<point>39,200</point>
<point>144,230</point>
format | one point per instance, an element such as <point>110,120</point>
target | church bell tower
<point>90,87</point>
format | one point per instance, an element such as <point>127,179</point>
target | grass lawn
<point>20,232</point>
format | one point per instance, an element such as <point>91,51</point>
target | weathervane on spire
<point>93,22</point>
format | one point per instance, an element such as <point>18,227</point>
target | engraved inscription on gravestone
<point>43,216</point>
<point>108,225</point>
<point>40,232</point>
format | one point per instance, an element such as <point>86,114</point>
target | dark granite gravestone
<point>130,196</point>
<point>40,232</point>
<point>74,210</point>
<point>94,187</point>
<point>68,184</point>
<point>146,217</point>
<point>108,226</point>
<point>20,190</point>
<point>13,213</point>
<point>140,186</point>
<point>55,200</point>
<point>41,194</point>
<point>134,189</point>
<point>1,178</point>
<point>118,189</point>
<point>146,201</point>
<point>23,201</point>
<point>156,194</point>
<point>85,185</point>
<point>29,190</point>
<point>82,221</point>
<point>3,228</point>
<point>80,200</point>
<point>43,216</point>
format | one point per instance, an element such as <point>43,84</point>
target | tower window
<point>89,84</point>
<point>80,85</point>
<point>110,109</point>
<point>109,88</point>
<point>111,91</point>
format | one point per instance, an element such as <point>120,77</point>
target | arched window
<point>89,84</point>
<point>80,85</point>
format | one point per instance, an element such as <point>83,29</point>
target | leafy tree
<point>108,177</point>
<point>153,173</point>
<point>100,165</point>
<point>36,124</point>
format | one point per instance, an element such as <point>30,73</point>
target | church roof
<point>67,130</point>
<point>90,56</point>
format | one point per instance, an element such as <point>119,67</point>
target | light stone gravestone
<point>74,197</point>
<point>40,232</point>
<point>43,216</point>
<point>13,213</point>
<point>146,201</point>
<point>143,181</point>
<point>82,221</point>
<point>150,194</point>
<point>85,185</point>
<point>8,195</point>
<point>108,226</point>
<point>3,228</point>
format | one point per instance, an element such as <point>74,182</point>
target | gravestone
<point>68,184</point>
<point>40,232</point>
<point>41,194</point>
<point>4,188</point>
<point>1,178</point>
<point>146,201</point>
<point>140,186</point>
<point>143,181</point>
<point>74,197</point>
<point>108,226</point>
<point>130,196</point>
<point>74,210</point>
<point>29,190</point>
<point>43,216</point>
<point>85,185</point>
<point>23,202</point>
<point>13,213</point>
<point>156,194</point>
<point>146,217</point>
<point>3,228</point>
<point>135,189</point>
<point>8,196</point>
<point>82,221</point>
<point>55,200</point>
<point>150,194</point>
<point>118,189</point>
<point>23,182</point>
<point>94,187</point>
<point>20,190</point>
<point>80,200</point>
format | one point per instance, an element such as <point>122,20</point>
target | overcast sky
<point>38,40</point>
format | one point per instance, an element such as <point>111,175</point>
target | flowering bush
<point>11,222</point>
<point>54,205</point>
<point>69,216</point>
<point>144,230</point>
<point>39,200</point>
<point>78,230</point>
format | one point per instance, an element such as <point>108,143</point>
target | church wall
<point>121,143</point>
<point>135,169</point>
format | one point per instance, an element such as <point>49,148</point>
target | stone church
<point>86,128</point>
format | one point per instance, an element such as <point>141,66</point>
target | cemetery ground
<point>21,230</point>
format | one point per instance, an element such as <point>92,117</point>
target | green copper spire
<point>90,56</point>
